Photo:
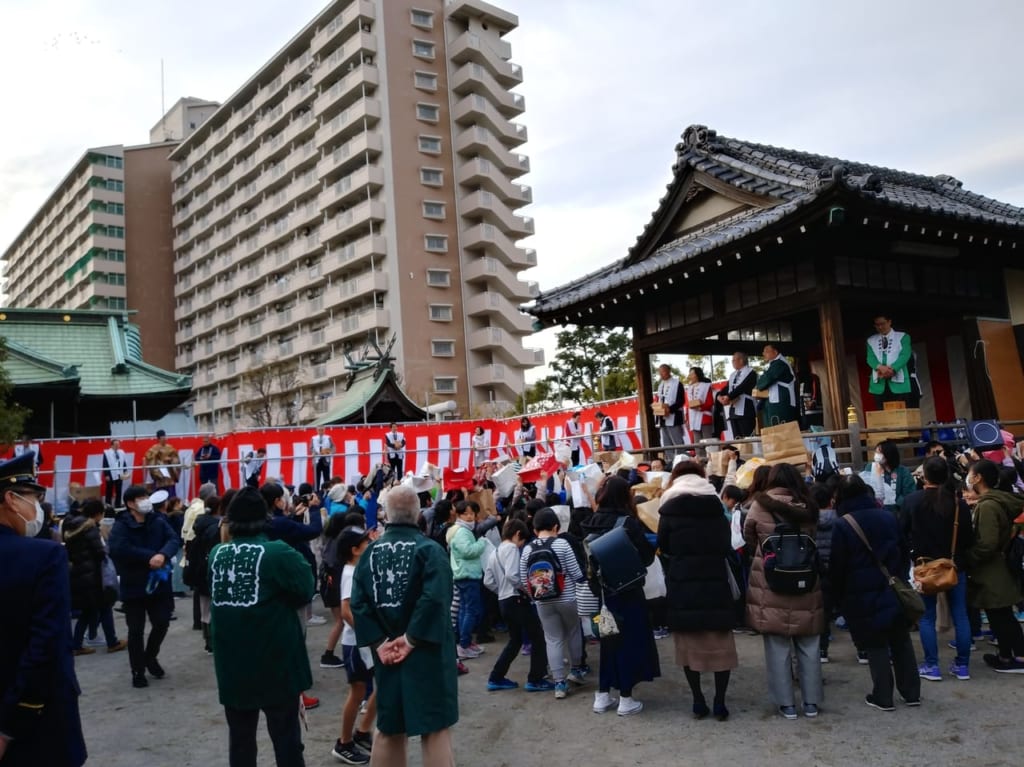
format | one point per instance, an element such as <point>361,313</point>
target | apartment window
<point>113,162</point>
<point>115,207</point>
<point>114,185</point>
<point>436,243</point>
<point>422,19</point>
<point>441,312</point>
<point>114,255</point>
<point>428,112</point>
<point>430,144</point>
<point>426,81</point>
<point>115,231</point>
<point>115,303</point>
<point>432,209</point>
<point>442,347</point>
<point>431,176</point>
<point>439,278</point>
<point>423,49</point>
<point>444,384</point>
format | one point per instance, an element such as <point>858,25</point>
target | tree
<point>540,396</point>
<point>273,396</point>
<point>12,415</point>
<point>592,364</point>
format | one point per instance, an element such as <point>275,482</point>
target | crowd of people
<point>418,581</point>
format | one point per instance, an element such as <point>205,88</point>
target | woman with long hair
<point>992,587</point>
<point>526,438</point>
<point>694,535</point>
<point>787,622</point>
<point>630,657</point>
<point>937,518</point>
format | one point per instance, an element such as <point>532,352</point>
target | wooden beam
<point>645,393</point>
<point>836,383</point>
<point>734,193</point>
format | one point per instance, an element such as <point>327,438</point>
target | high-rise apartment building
<point>361,184</point>
<point>103,238</point>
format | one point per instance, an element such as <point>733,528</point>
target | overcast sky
<point>932,86</point>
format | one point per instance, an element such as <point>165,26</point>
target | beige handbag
<point>933,576</point>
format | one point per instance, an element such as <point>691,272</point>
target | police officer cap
<point>20,472</point>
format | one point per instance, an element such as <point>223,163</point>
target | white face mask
<point>33,526</point>
<point>144,507</point>
<point>879,458</point>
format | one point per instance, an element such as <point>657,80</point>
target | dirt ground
<point>177,722</point>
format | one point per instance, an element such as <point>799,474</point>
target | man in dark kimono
<point>39,721</point>
<point>401,600</point>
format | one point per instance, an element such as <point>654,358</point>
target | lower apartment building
<point>360,186</point>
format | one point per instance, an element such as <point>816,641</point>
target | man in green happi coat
<point>401,603</point>
<point>777,384</point>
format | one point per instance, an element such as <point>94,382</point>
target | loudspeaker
<point>984,435</point>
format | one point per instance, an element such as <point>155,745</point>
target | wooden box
<point>899,424</point>
<point>659,409</point>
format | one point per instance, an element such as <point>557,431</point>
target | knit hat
<point>247,506</point>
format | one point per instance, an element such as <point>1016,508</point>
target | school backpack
<point>614,560</point>
<point>790,559</point>
<point>824,462</point>
<point>545,579</point>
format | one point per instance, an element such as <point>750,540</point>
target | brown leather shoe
<point>121,644</point>
<point>84,651</point>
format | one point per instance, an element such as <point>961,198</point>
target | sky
<point>930,86</point>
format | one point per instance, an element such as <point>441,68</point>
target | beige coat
<point>767,611</point>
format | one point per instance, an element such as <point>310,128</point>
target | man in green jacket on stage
<point>889,353</point>
<point>777,384</point>
<point>257,587</point>
<point>401,600</point>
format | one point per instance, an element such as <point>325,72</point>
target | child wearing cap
<point>353,747</point>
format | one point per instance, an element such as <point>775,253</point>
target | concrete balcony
<point>516,355</point>
<point>356,151</point>
<point>476,140</point>
<point>476,109</point>
<point>355,15</point>
<point>345,224</point>
<point>355,254</point>
<point>357,324</point>
<point>474,78</point>
<point>347,90</point>
<point>298,95</point>
<point>354,51</point>
<point>300,128</point>
<point>494,242</point>
<point>353,186</point>
<point>488,375</point>
<point>499,310</point>
<point>358,118</point>
<point>469,46</point>
<point>364,285</point>
<point>481,172</point>
<point>496,276</point>
<point>492,210</point>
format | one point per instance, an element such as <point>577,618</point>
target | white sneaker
<point>97,642</point>
<point>316,620</point>
<point>629,706</point>
<point>603,701</point>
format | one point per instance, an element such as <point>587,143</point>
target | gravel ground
<point>177,722</point>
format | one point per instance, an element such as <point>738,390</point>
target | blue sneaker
<point>930,671</point>
<point>561,690</point>
<point>501,684</point>
<point>959,670</point>
<point>542,686</point>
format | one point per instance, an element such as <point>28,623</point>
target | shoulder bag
<point>909,599</point>
<point>933,576</point>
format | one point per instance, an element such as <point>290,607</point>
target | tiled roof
<point>99,349</point>
<point>787,178</point>
<point>364,389</point>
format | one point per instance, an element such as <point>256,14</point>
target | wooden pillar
<point>833,347</point>
<point>645,394</point>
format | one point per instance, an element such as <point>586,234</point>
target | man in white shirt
<point>26,446</point>
<point>669,393</point>
<point>115,469</point>
<point>573,431</point>
<point>323,451</point>
<point>394,443</point>
<point>740,408</point>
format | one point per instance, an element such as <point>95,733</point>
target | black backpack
<point>614,559</point>
<point>790,559</point>
<point>545,579</point>
<point>1014,555</point>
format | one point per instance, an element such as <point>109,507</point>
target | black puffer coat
<point>85,554</point>
<point>694,534</point>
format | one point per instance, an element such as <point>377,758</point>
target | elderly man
<point>670,394</point>
<point>39,720</point>
<point>257,587</point>
<point>778,384</point>
<point>401,598</point>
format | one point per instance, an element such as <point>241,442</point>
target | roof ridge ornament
<point>946,180</point>
<point>832,174</point>
<point>699,137</point>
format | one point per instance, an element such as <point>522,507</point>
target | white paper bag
<point>654,584</point>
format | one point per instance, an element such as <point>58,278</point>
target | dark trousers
<point>322,474</point>
<point>283,726</point>
<point>519,615</point>
<point>742,426</point>
<point>103,617</point>
<point>893,645</point>
<point>888,396</point>
<point>397,466</point>
<point>158,607</point>
<point>1006,631</point>
<point>574,456</point>
<point>112,492</point>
